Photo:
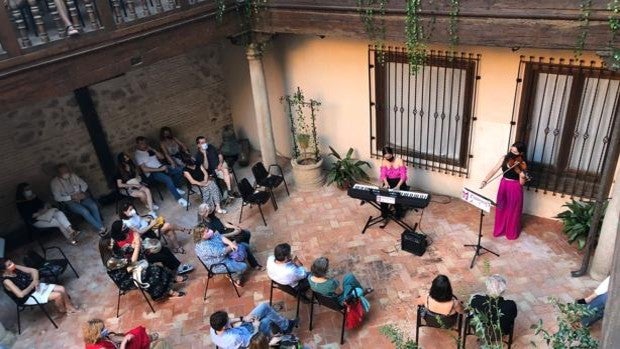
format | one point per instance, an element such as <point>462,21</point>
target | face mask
<point>391,159</point>
<point>28,193</point>
<point>204,146</point>
<point>512,155</point>
<point>65,176</point>
<point>132,212</point>
<point>105,332</point>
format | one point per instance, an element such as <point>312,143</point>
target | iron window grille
<point>426,117</point>
<point>565,111</point>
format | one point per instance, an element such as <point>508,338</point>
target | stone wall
<point>185,92</point>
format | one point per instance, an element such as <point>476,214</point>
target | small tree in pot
<point>346,170</point>
<point>306,160</point>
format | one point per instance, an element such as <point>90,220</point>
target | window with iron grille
<point>565,117</point>
<point>425,116</point>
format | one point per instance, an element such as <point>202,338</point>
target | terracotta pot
<point>308,176</point>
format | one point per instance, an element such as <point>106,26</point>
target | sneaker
<point>103,232</point>
<point>222,211</point>
<point>183,202</point>
<point>291,324</point>
<point>180,191</point>
<point>184,268</point>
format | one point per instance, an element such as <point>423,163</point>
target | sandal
<point>71,30</point>
<point>183,279</point>
<point>176,294</point>
<point>154,336</point>
<point>185,268</point>
<point>179,250</point>
<point>237,283</point>
<point>259,268</point>
<point>368,290</point>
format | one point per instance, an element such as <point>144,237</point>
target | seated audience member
<point>237,333</point>
<point>129,181</point>
<point>148,159</point>
<point>329,287</point>
<point>23,282</point>
<point>595,303</point>
<point>209,157</point>
<point>98,336</point>
<point>285,269</point>
<point>440,301</point>
<point>197,175</point>
<point>259,341</point>
<point>211,248</point>
<point>150,226</point>
<point>72,192</point>
<point>174,150</point>
<point>40,214</point>
<point>207,217</point>
<point>61,8</point>
<point>127,243</point>
<point>492,304</point>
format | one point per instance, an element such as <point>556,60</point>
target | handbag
<point>151,245</point>
<point>240,254</point>
<point>355,313</point>
<point>136,272</point>
<point>159,222</point>
<point>115,263</point>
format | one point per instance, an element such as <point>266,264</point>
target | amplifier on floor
<point>413,242</point>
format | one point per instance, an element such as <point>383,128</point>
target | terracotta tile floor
<point>328,222</point>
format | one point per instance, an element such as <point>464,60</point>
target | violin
<point>518,164</point>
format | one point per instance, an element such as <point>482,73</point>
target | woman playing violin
<point>510,194</point>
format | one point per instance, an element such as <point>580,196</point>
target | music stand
<point>484,204</point>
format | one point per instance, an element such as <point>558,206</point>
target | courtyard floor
<point>327,223</point>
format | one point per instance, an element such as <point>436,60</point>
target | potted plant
<point>577,220</point>
<point>346,171</point>
<point>306,161</point>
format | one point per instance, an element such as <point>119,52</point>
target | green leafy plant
<point>584,18</point>
<point>346,171</point>
<point>416,49</point>
<point>613,63</point>
<point>486,325</point>
<point>375,30</point>
<point>397,337</point>
<point>569,331</point>
<point>577,220</point>
<point>249,9</point>
<point>302,127</point>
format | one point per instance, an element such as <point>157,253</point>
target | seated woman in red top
<point>97,336</point>
<point>394,176</point>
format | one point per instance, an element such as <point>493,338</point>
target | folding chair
<point>428,318</point>
<point>332,304</point>
<point>251,197</point>
<point>286,289</point>
<point>211,274</point>
<point>20,306</point>
<point>270,181</point>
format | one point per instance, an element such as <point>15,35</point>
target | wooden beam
<point>7,34</point>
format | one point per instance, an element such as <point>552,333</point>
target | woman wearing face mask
<point>197,175</point>
<point>145,226</point>
<point>510,193</point>
<point>97,336</point>
<point>39,214</point>
<point>129,181</point>
<point>394,176</point>
<point>174,150</point>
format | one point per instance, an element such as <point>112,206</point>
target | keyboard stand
<point>390,217</point>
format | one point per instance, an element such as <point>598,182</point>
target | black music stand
<point>390,216</point>
<point>480,250</point>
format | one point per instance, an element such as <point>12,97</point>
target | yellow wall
<point>335,72</point>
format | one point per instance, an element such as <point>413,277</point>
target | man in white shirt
<point>285,270</point>
<point>595,303</point>
<point>71,191</point>
<point>149,161</point>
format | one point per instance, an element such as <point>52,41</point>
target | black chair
<point>286,289</point>
<point>21,306</point>
<point>190,190</point>
<point>270,181</point>
<point>49,268</point>
<point>252,197</point>
<point>106,252</point>
<point>211,274</point>
<point>428,318</point>
<point>492,335</point>
<point>331,304</point>
<point>152,184</point>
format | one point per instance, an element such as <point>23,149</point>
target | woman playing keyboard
<point>394,176</point>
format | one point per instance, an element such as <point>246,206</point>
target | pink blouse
<point>394,172</point>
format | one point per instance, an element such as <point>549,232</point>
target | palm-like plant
<point>577,220</point>
<point>346,171</point>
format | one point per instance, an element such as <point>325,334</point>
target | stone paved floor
<point>327,222</point>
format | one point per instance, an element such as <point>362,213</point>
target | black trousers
<point>398,208</point>
<point>165,257</point>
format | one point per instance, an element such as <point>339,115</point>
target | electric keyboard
<point>413,199</point>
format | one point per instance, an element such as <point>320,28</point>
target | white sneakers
<point>183,202</point>
<point>180,191</point>
<point>221,210</point>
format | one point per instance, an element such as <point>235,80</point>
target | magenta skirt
<point>509,209</point>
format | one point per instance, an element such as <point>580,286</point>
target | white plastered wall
<point>335,72</point>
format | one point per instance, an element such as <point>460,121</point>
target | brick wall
<point>185,92</point>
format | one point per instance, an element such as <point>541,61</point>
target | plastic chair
<point>251,197</point>
<point>211,274</point>
<point>270,181</point>
<point>428,318</point>
<point>332,304</point>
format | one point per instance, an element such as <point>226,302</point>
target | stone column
<point>602,261</point>
<point>261,103</point>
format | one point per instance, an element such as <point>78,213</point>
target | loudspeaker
<point>413,242</point>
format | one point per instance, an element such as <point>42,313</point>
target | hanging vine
<point>250,11</point>
<point>614,26</point>
<point>453,29</point>
<point>416,49</point>
<point>368,10</point>
<point>584,18</point>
